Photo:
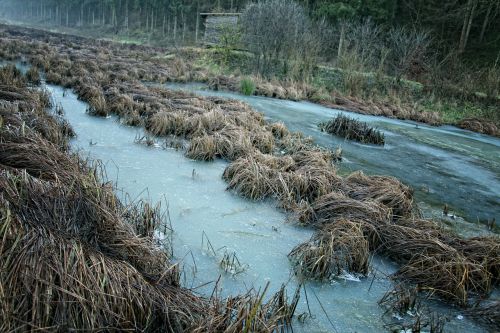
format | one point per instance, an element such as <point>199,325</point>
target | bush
<point>247,87</point>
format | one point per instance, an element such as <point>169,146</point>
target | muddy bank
<point>269,161</point>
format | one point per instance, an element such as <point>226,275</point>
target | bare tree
<point>408,51</point>
<point>279,33</point>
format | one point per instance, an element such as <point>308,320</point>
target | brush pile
<point>74,257</point>
<point>353,216</point>
<point>352,129</point>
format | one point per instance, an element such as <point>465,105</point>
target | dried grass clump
<point>249,178</point>
<point>481,250</point>
<point>262,140</point>
<point>352,129</point>
<point>279,130</point>
<point>93,95</point>
<point>447,274</point>
<point>213,121</point>
<point>118,103</point>
<point>56,277</point>
<point>313,158</point>
<point>384,189</point>
<point>11,76</point>
<point>33,76</point>
<point>132,118</point>
<point>295,142</point>
<point>432,263</point>
<point>166,123</point>
<point>54,78</point>
<point>283,163</point>
<point>202,148</point>
<point>334,206</point>
<point>233,142</point>
<point>317,182</point>
<point>334,250</point>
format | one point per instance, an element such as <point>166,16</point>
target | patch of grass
<point>247,86</point>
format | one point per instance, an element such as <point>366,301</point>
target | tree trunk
<point>183,26</point>
<point>341,40</point>
<point>198,19</point>
<point>469,17</point>
<point>81,14</point>
<point>175,26</point>
<point>126,15</point>
<point>152,20</point>
<point>163,26</point>
<point>485,22</point>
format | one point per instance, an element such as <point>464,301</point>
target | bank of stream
<point>210,223</point>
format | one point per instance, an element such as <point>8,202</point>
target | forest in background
<point>470,26</point>
<point>448,51</point>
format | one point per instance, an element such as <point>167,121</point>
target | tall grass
<point>247,86</point>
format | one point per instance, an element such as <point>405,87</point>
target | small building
<point>216,24</point>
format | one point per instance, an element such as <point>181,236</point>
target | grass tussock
<point>335,206</point>
<point>352,129</point>
<point>332,251</point>
<point>432,259</point>
<point>386,190</point>
<point>289,179</point>
<point>279,130</point>
<point>33,76</point>
<point>202,148</point>
<point>249,178</point>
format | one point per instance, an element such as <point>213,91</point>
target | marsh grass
<point>352,129</point>
<point>83,255</point>
<point>332,251</point>
<point>266,161</point>
<point>247,87</point>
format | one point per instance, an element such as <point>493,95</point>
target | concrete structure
<point>217,23</point>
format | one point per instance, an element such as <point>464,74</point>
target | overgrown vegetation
<point>83,259</point>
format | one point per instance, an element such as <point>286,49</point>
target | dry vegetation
<point>352,129</point>
<point>74,257</point>
<point>92,244</point>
